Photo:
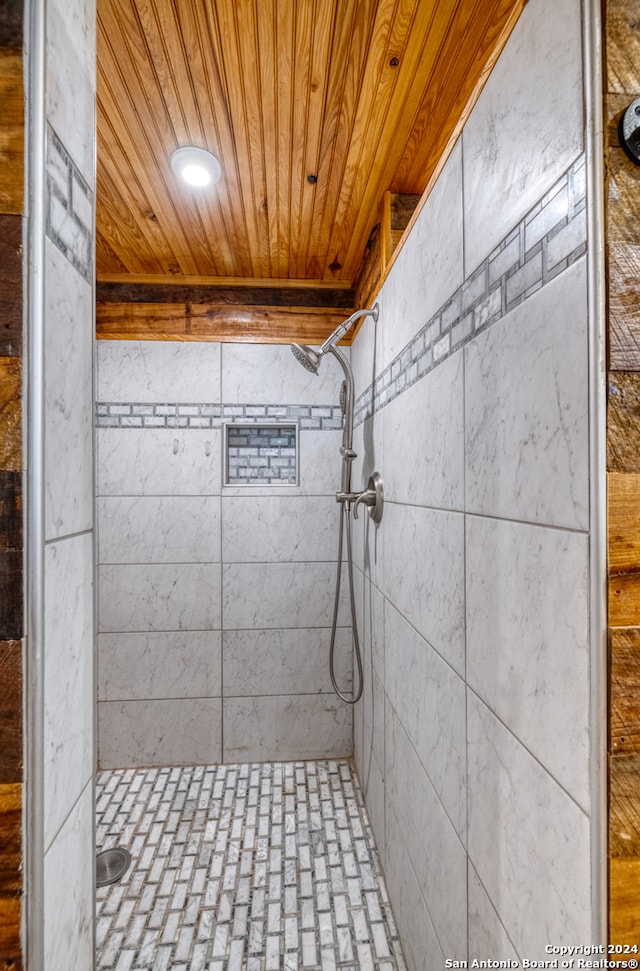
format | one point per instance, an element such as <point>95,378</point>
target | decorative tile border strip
<point>549,239</point>
<point>203,415</point>
<point>69,208</point>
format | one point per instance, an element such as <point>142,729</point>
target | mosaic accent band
<point>69,208</point>
<point>169,415</point>
<point>550,238</point>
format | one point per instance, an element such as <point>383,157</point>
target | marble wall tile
<point>276,662</point>
<point>372,782</point>
<point>286,727</point>
<point>156,597</point>
<point>368,537</point>
<point>159,732</point>
<point>69,890</point>
<point>284,595</point>
<point>430,269</point>
<point>424,574</point>
<point>366,351</point>
<point>68,399</point>
<point>275,529</point>
<point>487,936</point>
<point>438,857</point>
<point>528,639</point>
<point>525,833</point>
<point>424,440</point>
<point>162,664</point>
<point>516,145</point>
<point>526,401</point>
<point>255,373</point>
<point>158,529</point>
<point>71,80</point>
<point>159,462</point>
<point>158,371</point>
<point>68,677</point>
<point>419,940</point>
<point>429,698</point>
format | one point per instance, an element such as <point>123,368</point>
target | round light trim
<point>196,166</point>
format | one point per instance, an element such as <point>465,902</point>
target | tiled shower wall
<point>472,739</point>
<point>215,600</point>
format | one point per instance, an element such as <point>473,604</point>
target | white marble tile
<point>286,727</point>
<point>69,890</point>
<point>158,529</point>
<point>486,933</point>
<point>366,353</point>
<point>159,371</point>
<point>420,944</point>
<point>525,833</point>
<point>516,145</point>
<point>438,857</point>
<point>368,536</point>
<point>71,79</point>
<point>429,698</point>
<point>273,528</point>
<point>424,574</point>
<point>68,677</point>
<point>272,662</point>
<point>424,440</point>
<point>159,732</point>
<point>528,639</point>
<point>68,398</point>
<point>319,466</point>
<point>372,781</point>
<point>429,267</point>
<point>526,404</point>
<point>159,462</point>
<point>269,373</point>
<point>162,664</point>
<point>282,595</point>
<point>148,597</point>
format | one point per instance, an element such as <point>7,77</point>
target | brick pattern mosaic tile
<point>259,454</point>
<point>204,415</point>
<point>254,867</point>
<point>550,238</point>
<point>69,207</point>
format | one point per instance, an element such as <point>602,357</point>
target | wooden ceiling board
<point>363,95</point>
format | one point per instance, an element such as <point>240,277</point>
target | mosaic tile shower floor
<point>253,867</point>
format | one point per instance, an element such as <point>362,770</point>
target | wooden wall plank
<point>11,132</point>
<point>624,893</point>
<point>624,523</point>
<point>623,421</point>
<point>10,414</point>
<point>275,325</point>
<point>10,712</point>
<point>10,875</point>
<point>624,666</point>
<point>10,285</point>
<point>271,296</point>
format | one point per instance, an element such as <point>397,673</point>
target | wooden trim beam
<point>273,296</point>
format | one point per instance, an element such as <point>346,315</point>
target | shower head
<point>306,355</point>
<point>311,358</point>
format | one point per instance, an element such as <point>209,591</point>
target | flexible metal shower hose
<point>345,511</point>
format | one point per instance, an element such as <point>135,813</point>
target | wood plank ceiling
<point>315,109</point>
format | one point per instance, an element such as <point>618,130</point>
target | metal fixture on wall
<point>629,131</point>
<point>372,497</point>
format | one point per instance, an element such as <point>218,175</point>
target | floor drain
<point>111,865</point>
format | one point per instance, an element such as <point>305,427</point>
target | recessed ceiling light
<point>196,166</point>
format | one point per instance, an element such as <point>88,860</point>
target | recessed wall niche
<point>260,454</point>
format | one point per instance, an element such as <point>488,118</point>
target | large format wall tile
<point>528,840</point>
<point>286,727</point>
<point>255,373</point>
<point>155,597</point>
<point>428,271</point>
<point>528,638</point>
<point>424,574</point>
<point>159,732</point>
<point>438,857</point>
<point>276,662</point>
<point>69,399</point>
<point>281,595</point>
<point>526,128</point>
<point>526,401</point>
<point>159,529</point>
<point>424,440</point>
<point>158,371</point>
<point>486,933</point>
<point>276,529</point>
<point>69,890</point>
<point>159,462</point>
<point>68,674</point>
<point>162,664</point>
<point>429,699</point>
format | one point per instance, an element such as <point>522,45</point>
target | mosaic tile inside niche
<point>252,867</point>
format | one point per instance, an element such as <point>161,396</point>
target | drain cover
<point>111,865</point>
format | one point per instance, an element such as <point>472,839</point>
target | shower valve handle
<point>373,497</point>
